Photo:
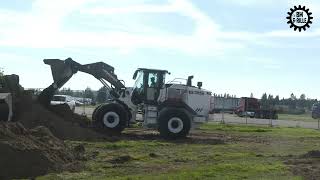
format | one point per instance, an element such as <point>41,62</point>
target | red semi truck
<point>251,107</point>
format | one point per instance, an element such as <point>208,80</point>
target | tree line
<point>292,104</point>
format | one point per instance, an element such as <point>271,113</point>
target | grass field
<point>214,151</point>
<point>302,117</point>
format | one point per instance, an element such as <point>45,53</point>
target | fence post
<point>270,119</point>
<point>222,118</point>
<point>84,104</point>
<point>214,107</point>
<point>246,109</point>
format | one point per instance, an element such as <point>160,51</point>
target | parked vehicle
<point>225,104</point>
<point>251,107</point>
<point>64,99</point>
<point>172,108</point>
<point>316,110</point>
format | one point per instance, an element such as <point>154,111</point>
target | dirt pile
<point>63,110</point>
<point>33,144</point>
<point>63,123</point>
<point>306,165</point>
<point>60,120</point>
<point>30,153</point>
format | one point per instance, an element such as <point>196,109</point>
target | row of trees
<point>1,72</point>
<point>293,103</point>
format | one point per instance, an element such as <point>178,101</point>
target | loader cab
<point>147,85</point>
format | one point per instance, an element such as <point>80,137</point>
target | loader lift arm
<point>63,70</point>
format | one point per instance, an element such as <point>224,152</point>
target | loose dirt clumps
<point>121,159</point>
<point>29,153</point>
<point>63,110</point>
<point>60,120</point>
<point>312,154</point>
<point>32,144</point>
<point>306,165</point>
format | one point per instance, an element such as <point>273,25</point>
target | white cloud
<point>42,28</point>
<point>264,62</point>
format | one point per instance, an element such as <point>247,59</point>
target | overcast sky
<point>233,46</point>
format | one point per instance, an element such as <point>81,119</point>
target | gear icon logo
<point>299,18</point>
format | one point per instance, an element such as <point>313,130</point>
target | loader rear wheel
<point>174,124</point>
<point>111,117</point>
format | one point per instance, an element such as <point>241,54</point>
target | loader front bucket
<point>61,73</point>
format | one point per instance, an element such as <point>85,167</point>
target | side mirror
<point>199,84</point>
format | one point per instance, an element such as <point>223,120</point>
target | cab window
<point>153,80</point>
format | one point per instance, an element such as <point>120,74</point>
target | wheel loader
<point>172,108</point>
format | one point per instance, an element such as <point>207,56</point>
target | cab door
<point>152,87</point>
<point>154,82</point>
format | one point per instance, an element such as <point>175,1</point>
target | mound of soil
<point>30,153</point>
<point>63,126</point>
<point>63,110</point>
<point>306,165</point>
<point>60,120</point>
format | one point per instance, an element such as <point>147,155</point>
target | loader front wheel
<point>111,117</point>
<point>174,124</point>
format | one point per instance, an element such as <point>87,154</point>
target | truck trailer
<point>251,107</point>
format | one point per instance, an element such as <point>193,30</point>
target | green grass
<point>292,117</point>
<point>285,132</point>
<point>250,153</point>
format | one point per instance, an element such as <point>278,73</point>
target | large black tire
<point>174,123</point>
<point>94,113</point>
<point>112,118</point>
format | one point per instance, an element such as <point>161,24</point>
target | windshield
<point>59,98</point>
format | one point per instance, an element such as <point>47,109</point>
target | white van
<point>64,99</point>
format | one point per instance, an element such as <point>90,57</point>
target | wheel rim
<point>175,125</point>
<point>111,119</point>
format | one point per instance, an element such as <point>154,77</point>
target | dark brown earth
<point>33,144</point>
<point>30,153</point>
<point>307,165</point>
<point>60,120</point>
